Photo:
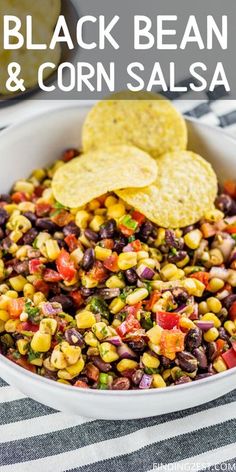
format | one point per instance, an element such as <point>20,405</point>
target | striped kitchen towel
<point>35,438</point>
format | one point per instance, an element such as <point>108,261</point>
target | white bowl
<point>38,142</point>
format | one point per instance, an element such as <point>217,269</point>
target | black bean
<point>22,267</point>
<point>29,237</point>
<point>137,376</point>
<point>87,292</point>
<point>91,235</point>
<point>137,346</point>
<point>187,229</point>
<point>201,357</point>
<point>229,300</point>
<point>46,224</point>
<point>1,233</point>
<point>66,302</point>
<point>182,380</point>
<point>88,259</point>
<point>6,244</point>
<point>100,364</point>
<point>211,351</point>
<point>187,361</point>
<point>108,229</point>
<point>193,339</point>
<point>74,338</point>
<point>131,276</point>
<point>172,241</point>
<point>223,335</point>
<point>71,228</point>
<point>121,383</point>
<point>3,216</point>
<point>31,217</point>
<point>203,376</point>
<point>5,197</point>
<point>165,362</point>
<point>146,230</point>
<point>119,244</point>
<point>180,295</point>
<point>226,204</point>
<point>179,256</point>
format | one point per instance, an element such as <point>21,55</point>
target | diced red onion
<point>223,294</point>
<point>125,352</point>
<point>219,273</point>
<point>128,248</point>
<point>146,381</point>
<point>230,220</point>
<point>204,325</point>
<point>115,340</point>
<point>51,308</point>
<point>140,284</point>
<point>145,272</point>
<point>181,309</point>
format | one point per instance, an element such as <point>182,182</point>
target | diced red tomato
<point>172,341</point>
<point>15,307</point>
<point>98,272</point>
<point>220,344</point>
<point>111,263</point>
<point>72,242</point>
<point>139,217</point>
<point>155,296</point>
<point>102,198</point>
<point>35,266</point>
<point>233,342</point>
<point>201,276</point>
<point>77,297</point>
<point>43,209</point>
<point>133,309</point>
<point>167,320</point>
<point>38,191</point>
<point>81,384</point>
<point>107,243</point>
<point>126,231</point>
<point>51,275</point>
<point>230,188</point>
<point>41,286</point>
<point>28,326</point>
<point>231,229</point>
<point>62,218</point>
<point>230,358</point>
<point>22,362</point>
<point>130,324</point>
<point>92,372</point>
<point>70,154</point>
<point>232,311</point>
<point>19,197</point>
<point>136,245</point>
<point>65,266</point>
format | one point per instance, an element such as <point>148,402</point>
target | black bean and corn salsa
<point>103,298</point>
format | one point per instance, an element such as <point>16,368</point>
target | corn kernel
<point>230,327</point>
<point>149,262</point>
<point>116,305</point>
<point>76,368</point>
<point>232,278</point>
<point>12,294</point>
<point>38,298</point>
<point>142,255</point>
<point>41,342</point>
<point>211,335</point>
<point>102,253</point>
<point>101,330</point>
<point>63,381</point>
<point>137,296</point>
<point>96,223</point>
<point>4,316</point>
<point>219,364</point>
<point>38,361</point>
<point>48,326</point>
<point>155,348</point>
<point>214,304</point>
<point>161,234</point>
<point>213,216</point>
<point>150,361</point>
<point>166,374</point>
<point>94,205</point>
<point>91,339</point>
<point>15,235</point>
<point>71,353</point>
<point>24,316</point>
<point>2,326</point>
<point>22,346</point>
<point>52,249</point>
<point>154,334</point>
<point>186,323</point>
<point>212,317</point>
<point>27,206</point>
<point>116,211</point>
<point>77,256</point>
<point>41,240</point>
<point>81,219</point>
<point>64,375</point>
<point>216,257</point>
<point>168,271</point>
<point>39,174</point>
<point>115,282</point>
<point>18,283</point>
<point>89,282</point>
<point>29,291</point>
<point>21,223</point>
<point>2,269</point>
<point>158,381</point>
<point>203,308</point>
<point>126,260</point>
<point>108,352</point>
<point>193,238</point>
<point>85,319</point>
<point>58,359</point>
<point>23,186</point>
<point>126,364</point>
<point>110,200</point>
<point>215,285</point>
<point>194,287</point>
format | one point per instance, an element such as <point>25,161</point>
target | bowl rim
<point>48,383</point>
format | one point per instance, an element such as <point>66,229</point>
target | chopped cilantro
<point>32,355</point>
<point>16,355</point>
<point>32,312</point>
<point>98,305</point>
<point>150,371</point>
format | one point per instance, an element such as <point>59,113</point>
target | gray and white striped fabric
<point>35,438</point>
